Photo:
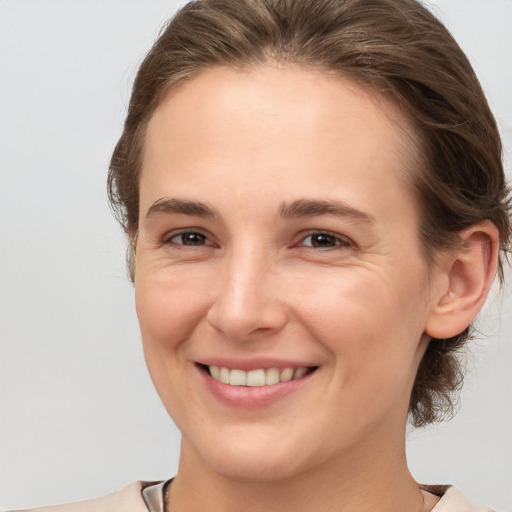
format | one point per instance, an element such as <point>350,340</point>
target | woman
<point>316,209</point>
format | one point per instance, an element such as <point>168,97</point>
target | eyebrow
<point>296,209</point>
<point>183,206</point>
<point>312,208</point>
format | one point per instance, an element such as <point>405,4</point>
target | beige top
<point>149,497</point>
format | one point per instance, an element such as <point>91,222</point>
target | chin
<point>252,460</point>
<point>254,471</point>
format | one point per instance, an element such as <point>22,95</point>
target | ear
<point>462,281</point>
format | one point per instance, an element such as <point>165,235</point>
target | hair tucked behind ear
<point>439,377</point>
<point>395,47</point>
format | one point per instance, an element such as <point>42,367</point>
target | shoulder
<point>126,499</point>
<point>452,500</point>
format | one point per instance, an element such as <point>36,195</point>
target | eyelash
<point>169,239</point>
<point>338,240</point>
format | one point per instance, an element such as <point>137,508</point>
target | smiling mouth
<point>256,378</point>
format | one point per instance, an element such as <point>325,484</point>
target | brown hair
<point>395,47</point>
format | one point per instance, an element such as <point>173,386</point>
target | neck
<point>364,480</point>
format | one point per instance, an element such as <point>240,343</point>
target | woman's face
<point>279,239</point>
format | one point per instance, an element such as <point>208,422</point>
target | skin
<point>246,144</point>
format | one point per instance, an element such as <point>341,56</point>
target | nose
<point>247,303</point>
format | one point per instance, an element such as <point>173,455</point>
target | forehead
<point>275,129</point>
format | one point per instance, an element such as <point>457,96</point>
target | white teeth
<point>286,374</point>
<point>215,371</point>
<point>272,376</point>
<point>238,378</point>
<point>299,372</point>
<point>224,375</point>
<point>256,378</point>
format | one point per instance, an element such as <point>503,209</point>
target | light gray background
<point>79,417</point>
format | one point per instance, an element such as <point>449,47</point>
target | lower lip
<point>249,397</point>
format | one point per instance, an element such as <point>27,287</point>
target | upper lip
<point>253,363</point>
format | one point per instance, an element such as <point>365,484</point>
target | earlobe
<point>466,276</point>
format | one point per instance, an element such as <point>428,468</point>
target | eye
<point>189,238</point>
<point>325,240</point>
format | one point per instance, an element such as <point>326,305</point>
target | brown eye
<point>324,241</point>
<point>190,238</point>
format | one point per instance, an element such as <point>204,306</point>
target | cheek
<point>355,304</point>
<point>169,308</point>
<point>371,327</point>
